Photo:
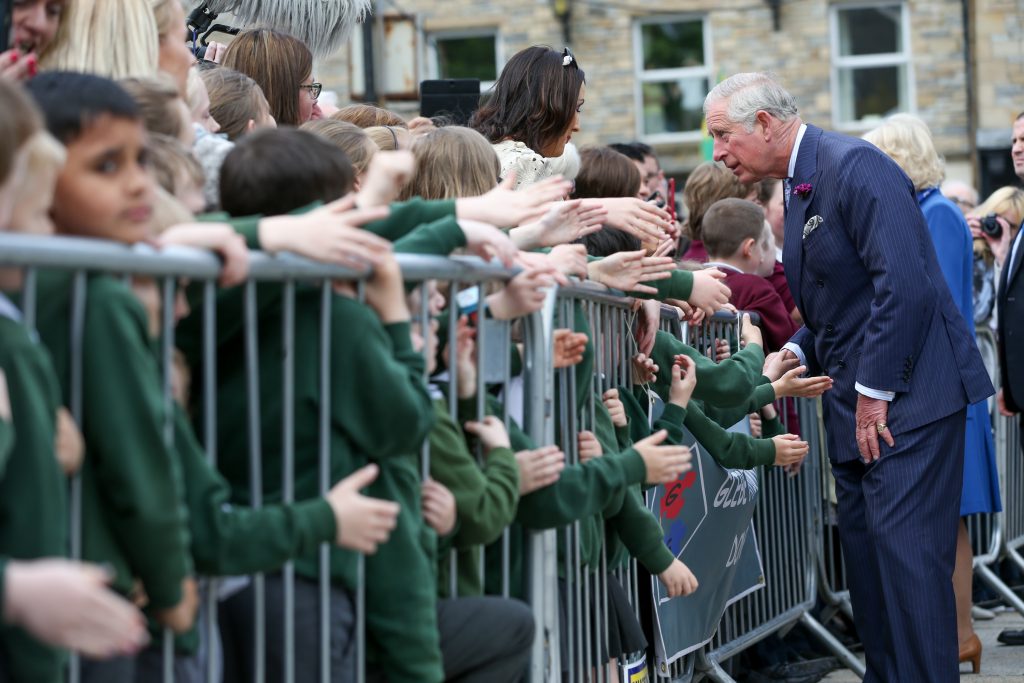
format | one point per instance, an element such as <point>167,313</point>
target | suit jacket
<point>778,280</point>
<point>755,293</point>
<point>875,305</point>
<point>1011,327</point>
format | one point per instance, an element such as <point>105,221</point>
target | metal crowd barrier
<point>87,256</point>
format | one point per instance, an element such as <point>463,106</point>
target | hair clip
<point>567,58</point>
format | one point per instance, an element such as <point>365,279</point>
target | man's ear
<point>764,120</point>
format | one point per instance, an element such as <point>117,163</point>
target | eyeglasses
<point>314,89</point>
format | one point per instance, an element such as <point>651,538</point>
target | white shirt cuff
<point>797,351</point>
<point>874,393</point>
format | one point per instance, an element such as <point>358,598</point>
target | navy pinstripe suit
<point>877,312</point>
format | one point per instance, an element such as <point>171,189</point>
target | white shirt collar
<point>778,254</point>
<point>796,150</point>
<point>722,266</point>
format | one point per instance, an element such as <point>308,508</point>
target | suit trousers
<point>898,524</point>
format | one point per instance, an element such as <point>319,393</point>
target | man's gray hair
<point>749,93</point>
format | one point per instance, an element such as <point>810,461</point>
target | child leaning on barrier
<point>41,599</point>
<point>223,539</point>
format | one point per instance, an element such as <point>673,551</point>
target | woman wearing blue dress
<point>907,140</point>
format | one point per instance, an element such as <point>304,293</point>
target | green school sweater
<point>6,443</point>
<point>33,505</point>
<point>485,500</point>
<point>133,518</point>
<point>728,383</point>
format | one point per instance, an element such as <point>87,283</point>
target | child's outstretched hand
<point>645,370</point>
<point>750,333</point>
<point>722,350</point>
<point>522,295</point>
<point>589,446</point>
<point>777,364</point>
<point>684,380</point>
<point>487,241</point>
<point>625,270</point>
<point>505,206</point>
<point>678,579</point>
<point>228,244</point>
<point>663,463</point>
<point>792,384</point>
<point>539,468</point>
<point>789,449</point>
<point>385,177</point>
<point>709,292</point>
<point>69,446</point>
<point>569,259</point>
<point>615,408</point>
<point>385,292</point>
<point>362,522</point>
<point>68,604</point>
<point>569,348</point>
<point>438,507</point>
<point>491,432</point>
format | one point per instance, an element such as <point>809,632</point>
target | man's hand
<point>709,292</point>
<point>362,522</point>
<point>438,505</point>
<point>779,363</point>
<point>68,604</point>
<point>684,380</point>
<point>181,617</point>
<point>789,449</point>
<point>1001,405</point>
<point>539,468</point>
<point>491,432</point>
<point>678,579</point>
<point>589,446</point>
<point>569,348</point>
<point>664,463</point>
<point>615,408</point>
<point>792,384</point>
<point>871,424</point>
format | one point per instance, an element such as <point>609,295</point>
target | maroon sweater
<point>778,280</point>
<point>755,293</point>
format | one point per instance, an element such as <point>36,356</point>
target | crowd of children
<point>130,141</point>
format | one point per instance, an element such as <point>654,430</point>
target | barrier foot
<point>1005,592</point>
<point>849,659</point>
<point>710,669</point>
<point>1015,556</point>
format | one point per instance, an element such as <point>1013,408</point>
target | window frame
<point>643,76</point>
<point>433,63</point>
<point>839,63</point>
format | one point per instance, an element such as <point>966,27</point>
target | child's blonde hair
<point>168,211</point>
<point>112,38</point>
<point>169,162</point>
<point>349,137</point>
<point>235,100</point>
<point>452,162</point>
<point>369,116</point>
<point>708,183</point>
<point>163,110</point>
<point>388,138</point>
<point>33,191</point>
<point>19,121</point>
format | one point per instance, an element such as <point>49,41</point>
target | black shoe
<point>1011,637</point>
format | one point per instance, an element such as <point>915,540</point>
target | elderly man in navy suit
<point>880,320</point>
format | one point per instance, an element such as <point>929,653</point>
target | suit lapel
<point>1013,268</point>
<point>796,214</point>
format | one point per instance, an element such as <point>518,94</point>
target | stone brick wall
<point>743,39</point>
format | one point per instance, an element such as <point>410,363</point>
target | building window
<point>872,75</point>
<point>673,67</point>
<point>465,54</point>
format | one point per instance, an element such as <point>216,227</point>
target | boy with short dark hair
<point>739,242</point>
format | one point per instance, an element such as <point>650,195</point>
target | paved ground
<point>998,662</point>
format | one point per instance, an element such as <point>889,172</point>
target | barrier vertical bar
<point>167,363</point>
<point>288,463</point>
<point>79,284</point>
<point>255,467</point>
<point>210,431</point>
<point>324,479</point>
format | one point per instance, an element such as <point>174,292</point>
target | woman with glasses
<point>282,66</point>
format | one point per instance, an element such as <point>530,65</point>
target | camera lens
<point>991,227</point>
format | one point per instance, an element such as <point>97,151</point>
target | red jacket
<point>755,293</point>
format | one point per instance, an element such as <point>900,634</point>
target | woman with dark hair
<point>532,113</point>
<point>282,66</point>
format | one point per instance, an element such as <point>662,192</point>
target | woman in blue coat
<point>907,140</point>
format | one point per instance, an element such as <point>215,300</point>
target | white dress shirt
<point>795,348</point>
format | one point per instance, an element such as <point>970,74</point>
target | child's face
<point>189,193</point>
<point>766,252</point>
<point>201,113</point>
<point>105,189</point>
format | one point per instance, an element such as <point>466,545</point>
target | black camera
<point>991,226</point>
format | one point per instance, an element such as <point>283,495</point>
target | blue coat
<point>874,300</point>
